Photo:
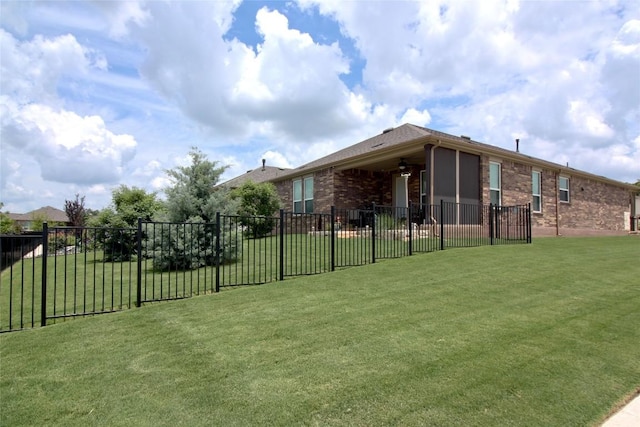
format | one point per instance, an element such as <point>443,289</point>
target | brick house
<point>46,213</point>
<point>422,166</point>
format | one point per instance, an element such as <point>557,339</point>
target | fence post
<point>441,224</point>
<point>43,290</point>
<point>491,230</point>
<point>217,231</point>
<point>281,261</point>
<point>373,235</point>
<point>529,225</point>
<point>410,224</point>
<point>139,262</point>
<point>332,247</point>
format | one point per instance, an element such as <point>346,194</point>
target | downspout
<point>557,204</point>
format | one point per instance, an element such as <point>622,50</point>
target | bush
<point>114,236</point>
<point>188,246</point>
<point>258,201</point>
<point>59,241</point>
<point>256,227</point>
<point>385,222</point>
<point>118,244</point>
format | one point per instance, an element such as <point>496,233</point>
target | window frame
<point>301,203</point>
<point>538,195</point>
<point>564,190</point>
<point>498,189</point>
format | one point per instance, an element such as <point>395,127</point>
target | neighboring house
<point>422,166</point>
<point>263,174</point>
<point>46,213</point>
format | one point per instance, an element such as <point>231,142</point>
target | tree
<point>258,203</point>
<point>38,220</point>
<point>114,235</point>
<point>7,225</point>
<point>116,221</point>
<point>193,199</point>
<point>194,193</point>
<point>133,203</point>
<point>75,211</point>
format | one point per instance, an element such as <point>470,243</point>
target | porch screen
<point>444,182</point>
<point>444,175</point>
<point>469,188</point>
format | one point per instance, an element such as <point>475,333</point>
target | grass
<point>542,334</point>
<point>82,283</point>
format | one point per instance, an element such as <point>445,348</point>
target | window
<point>303,195</point>
<point>297,196</point>
<point>563,188</point>
<point>536,203</point>
<point>494,183</point>
<point>308,194</point>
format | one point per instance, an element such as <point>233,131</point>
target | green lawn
<point>542,334</point>
<point>83,283</point>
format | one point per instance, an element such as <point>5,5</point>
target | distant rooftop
<point>48,212</point>
<point>258,175</point>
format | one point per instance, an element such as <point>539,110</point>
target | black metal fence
<point>66,271</point>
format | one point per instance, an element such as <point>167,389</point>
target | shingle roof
<point>389,138</point>
<point>47,212</point>
<point>261,174</point>
<point>409,134</point>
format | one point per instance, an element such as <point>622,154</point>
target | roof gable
<point>389,138</point>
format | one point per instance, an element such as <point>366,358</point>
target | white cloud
<point>68,148</point>
<point>58,145</point>
<point>290,85</point>
<point>274,158</point>
<point>121,14</point>
<point>31,70</point>
<point>154,78</point>
<point>564,80</point>
<point>420,118</point>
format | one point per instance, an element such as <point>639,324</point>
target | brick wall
<point>357,188</point>
<point>323,191</point>
<point>594,207</point>
<point>285,191</point>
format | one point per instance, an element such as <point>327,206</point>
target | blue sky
<point>99,94</point>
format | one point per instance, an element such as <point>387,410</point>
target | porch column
<point>427,173</point>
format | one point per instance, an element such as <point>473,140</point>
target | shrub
<point>189,246</point>
<point>258,201</point>
<point>59,241</point>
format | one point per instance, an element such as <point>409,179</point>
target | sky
<point>97,94</point>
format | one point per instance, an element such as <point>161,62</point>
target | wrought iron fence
<point>68,272</point>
